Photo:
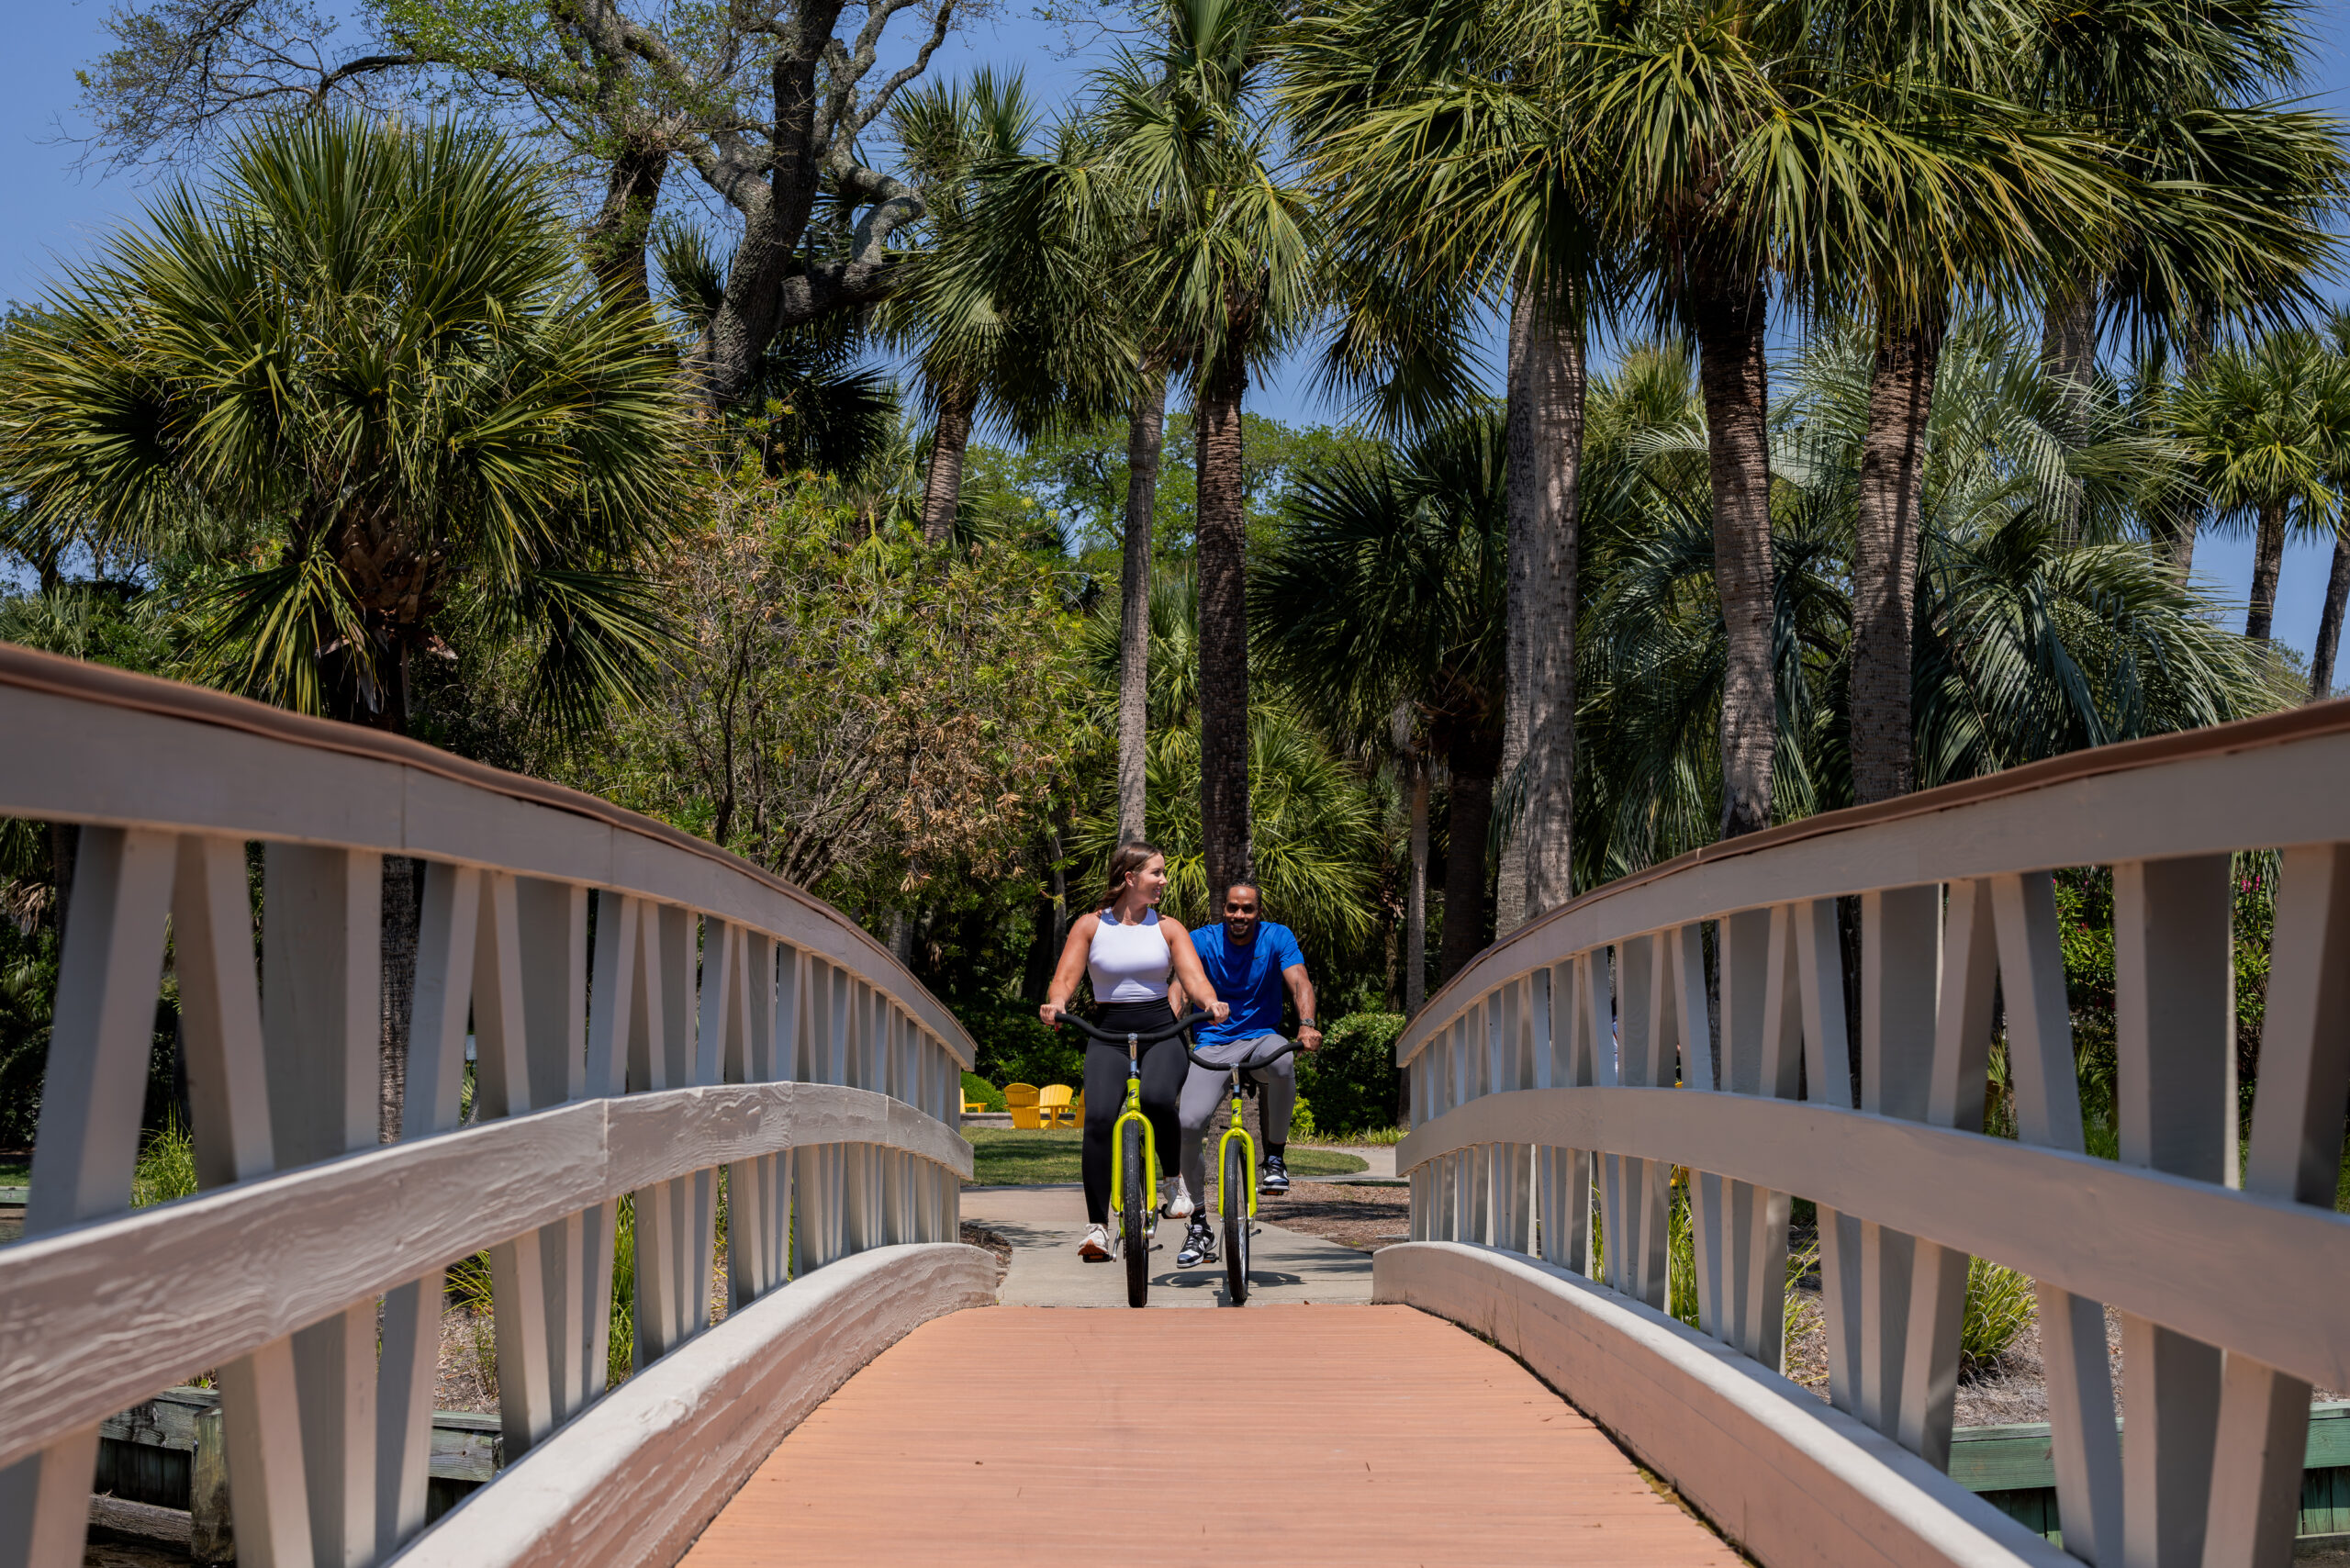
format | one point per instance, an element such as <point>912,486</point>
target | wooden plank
<point>2175,1102</point>
<point>1454,1453</point>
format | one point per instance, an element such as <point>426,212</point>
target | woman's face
<point>1150,882</point>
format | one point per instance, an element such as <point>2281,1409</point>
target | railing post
<point>2296,1155</point>
<point>2088,1450</point>
<point>322,1025</point>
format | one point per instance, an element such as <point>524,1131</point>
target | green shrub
<point>980,1091</point>
<point>166,1166</point>
<point>1352,1078</point>
<point>1999,1306</point>
<point>1012,1045</point>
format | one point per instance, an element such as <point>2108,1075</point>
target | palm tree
<point>1226,267</point>
<point>1389,590</point>
<point>1317,828</point>
<point>2027,646</point>
<point>1685,99</point>
<point>2337,581</point>
<point>369,355</point>
<point>365,386</point>
<point>1011,318</point>
<point>1452,176</point>
<point>1924,182</point>
<point>2229,186</point>
<point>2268,424</point>
<point>1065,218</point>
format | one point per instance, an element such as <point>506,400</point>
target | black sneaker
<point>1274,1177</point>
<point>1199,1245</point>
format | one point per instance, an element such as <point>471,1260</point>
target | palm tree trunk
<point>2068,359</point>
<point>1224,625</point>
<point>942,490</point>
<point>1884,570</point>
<point>1146,433</point>
<point>2329,623</point>
<point>2174,527</point>
<point>1415,898</point>
<point>2268,560</point>
<point>1471,816</point>
<point>1546,383</point>
<point>1730,368</point>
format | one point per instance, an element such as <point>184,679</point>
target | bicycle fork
<point>1133,1110</point>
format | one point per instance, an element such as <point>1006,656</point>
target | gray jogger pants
<point>1204,1092</point>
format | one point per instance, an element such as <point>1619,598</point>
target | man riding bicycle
<point>1250,962</point>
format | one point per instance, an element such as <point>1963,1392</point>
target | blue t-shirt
<point>1248,975</point>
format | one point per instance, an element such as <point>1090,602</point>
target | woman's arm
<point>1188,972</point>
<point>1072,969</point>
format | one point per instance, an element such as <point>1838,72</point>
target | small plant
<point>1382,1137</point>
<point>2000,1307</point>
<point>620,1353</point>
<point>469,1287</point>
<point>1681,1254</point>
<point>166,1166</point>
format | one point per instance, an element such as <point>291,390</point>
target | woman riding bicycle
<point>1129,950</point>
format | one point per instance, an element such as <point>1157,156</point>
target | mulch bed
<point>1364,1217</point>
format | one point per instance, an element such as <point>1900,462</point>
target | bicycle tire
<point>1134,1216</point>
<point>1233,1198</point>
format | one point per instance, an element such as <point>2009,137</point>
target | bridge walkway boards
<point>1292,1436</point>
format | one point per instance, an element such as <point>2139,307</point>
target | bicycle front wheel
<point>1233,1198</point>
<point>1135,1214</point>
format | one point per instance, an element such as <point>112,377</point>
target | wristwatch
<point>1308,1024</point>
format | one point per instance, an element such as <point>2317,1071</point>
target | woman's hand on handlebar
<point>1051,1013</point>
<point>1219,1011</point>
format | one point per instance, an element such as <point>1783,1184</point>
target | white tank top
<point>1129,963</point>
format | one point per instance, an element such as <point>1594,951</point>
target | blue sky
<point>49,212</point>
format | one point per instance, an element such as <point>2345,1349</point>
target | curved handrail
<point>641,1017</point>
<point>1996,832</point>
<point>84,780</point>
<point>1694,1018</point>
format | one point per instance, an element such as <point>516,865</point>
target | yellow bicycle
<point>1236,1162</point>
<point>1134,1153</point>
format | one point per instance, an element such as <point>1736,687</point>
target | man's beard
<point>1240,930</point>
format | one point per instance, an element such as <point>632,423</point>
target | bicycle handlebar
<point>1193,1052</point>
<point>1141,1036</point>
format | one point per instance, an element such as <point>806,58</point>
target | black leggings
<point>1164,1067</point>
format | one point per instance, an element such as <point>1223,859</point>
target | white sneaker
<point>1178,1205</point>
<point>1095,1248</point>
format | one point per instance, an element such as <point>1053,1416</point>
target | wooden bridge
<point>659,1021</point>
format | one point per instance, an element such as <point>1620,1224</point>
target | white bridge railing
<point>1695,1016</point>
<point>647,1012</point>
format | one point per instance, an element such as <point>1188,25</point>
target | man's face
<point>1241,914</point>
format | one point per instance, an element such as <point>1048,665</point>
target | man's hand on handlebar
<point>1309,1038</point>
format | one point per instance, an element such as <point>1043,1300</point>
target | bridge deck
<point>1296,1435</point>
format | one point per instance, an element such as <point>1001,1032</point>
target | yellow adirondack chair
<point>1020,1099</point>
<point>1077,1110</point>
<point>972,1107</point>
<point>1053,1105</point>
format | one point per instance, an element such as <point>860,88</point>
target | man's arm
<point>1301,992</point>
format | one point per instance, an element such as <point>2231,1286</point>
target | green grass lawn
<point>1010,1156</point>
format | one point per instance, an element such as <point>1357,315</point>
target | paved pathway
<point>1045,1224</point>
<point>1363,1436</point>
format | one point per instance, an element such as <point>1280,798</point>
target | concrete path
<point>1045,1224</point>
